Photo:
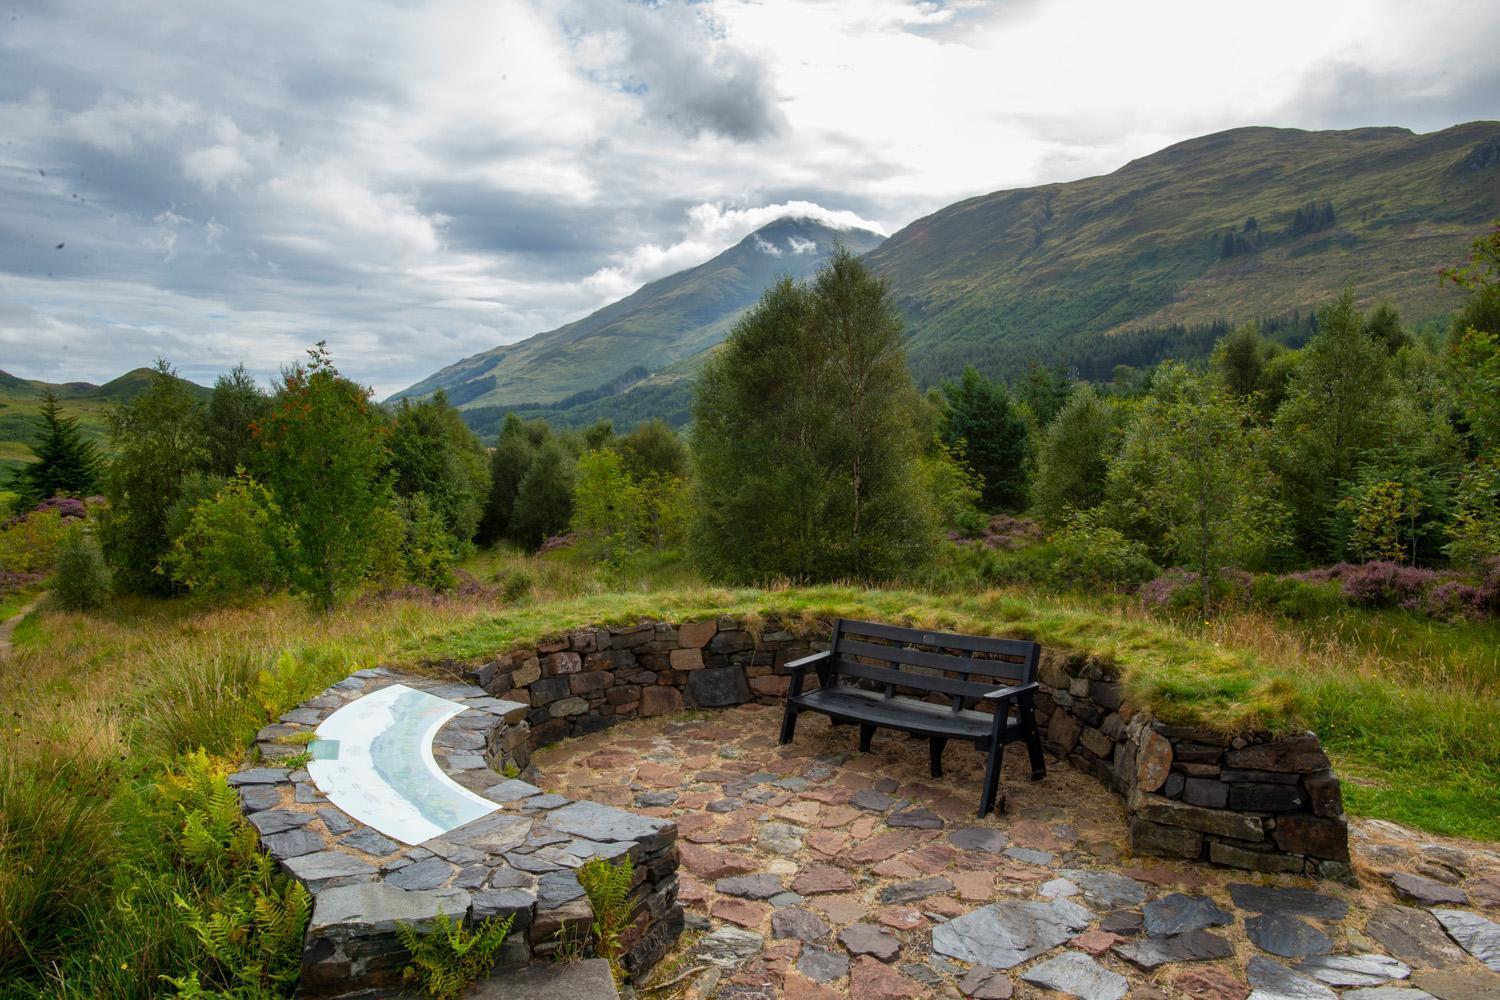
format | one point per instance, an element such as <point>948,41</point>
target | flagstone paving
<point>813,871</point>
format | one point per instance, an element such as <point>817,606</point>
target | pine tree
<point>66,464</point>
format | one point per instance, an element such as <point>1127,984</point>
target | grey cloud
<point>1342,94</point>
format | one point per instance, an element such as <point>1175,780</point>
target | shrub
<point>1380,584</point>
<point>1453,600</point>
<point>544,499</point>
<point>1181,590</point>
<point>951,486</point>
<point>81,582</point>
<point>66,507</point>
<point>1006,532</point>
<point>1300,600</point>
<point>1087,553</point>
<point>426,546</point>
<point>28,544</point>
<point>608,889</point>
<point>235,544</point>
<point>448,958</point>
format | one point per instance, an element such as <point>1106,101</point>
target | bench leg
<point>935,754</point>
<point>788,723</point>
<point>990,798</point>
<point>866,733</point>
<point>1034,750</point>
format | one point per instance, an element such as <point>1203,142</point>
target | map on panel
<point>373,759</point>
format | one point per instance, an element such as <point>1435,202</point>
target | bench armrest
<point>807,661</point>
<point>1001,694</point>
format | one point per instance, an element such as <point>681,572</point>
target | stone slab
<point>589,979</point>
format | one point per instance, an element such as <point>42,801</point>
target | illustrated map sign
<point>373,759</point>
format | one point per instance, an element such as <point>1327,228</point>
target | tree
<point>1073,457</point>
<point>980,424</point>
<point>157,439</point>
<point>1194,462</point>
<point>805,438</point>
<point>323,454</point>
<point>229,423</point>
<point>654,447</point>
<point>515,448</point>
<point>1045,391</point>
<point>1384,326</point>
<point>544,499</point>
<point>237,544</point>
<point>435,454</point>
<point>609,506</point>
<point>1240,359</point>
<point>66,465</point>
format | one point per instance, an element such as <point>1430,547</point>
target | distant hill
<point>1247,224</point>
<point>20,399</point>
<point>661,323</point>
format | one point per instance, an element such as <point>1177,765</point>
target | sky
<point>216,183</point>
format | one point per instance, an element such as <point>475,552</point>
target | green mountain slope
<point>20,400</point>
<point>661,323</point>
<point>1057,273</point>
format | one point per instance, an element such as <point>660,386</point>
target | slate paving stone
<point>655,800</point>
<point>1425,891</point>
<point>427,874</point>
<point>1029,856</point>
<point>323,869</point>
<point>1287,936</point>
<point>760,886</point>
<point>729,947</point>
<point>1459,984</point>
<point>335,821</point>
<point>1078,975</point>
<point>869,798</point>
<point>868,939</point>
<point>1106,890</point>
<point>1127,923</point>
<point>1478,936</point>
<point>293,843</point>
<point>787,898</point>
<point>803,925</point>
<point>259,776</point>
<point>1177,913</point>
<point>1388,993</point>
<point>979,838</point>
<point>910,892</point>
<point>983,983</point>
<point>1270,980</point>
<point>1003,936</point>
<point>821,965</point>
<point>371,842</point>
<point>1413,936</point>
<point>724,805</point>
<point>921,819</point>
<point>254,798</point>
<point>606,823</point>
<point>1353,970</point>
<point>271,821</point>
<point>558,887</point>
<point>1296,902</point>
<point>1053,888</point>
<point>1192,946</point>
<point>780,838</point>
<point>503,903</point>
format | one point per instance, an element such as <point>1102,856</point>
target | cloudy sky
<point>415,182</point>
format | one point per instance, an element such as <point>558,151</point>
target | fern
<point>608,889</point>
<point>448,958</point>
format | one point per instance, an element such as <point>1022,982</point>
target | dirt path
<point>9,625</point>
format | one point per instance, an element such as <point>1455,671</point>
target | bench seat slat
<point>939,661</point>
<point>945,640</point>
<point>911,679</point>
<point>906,714</point>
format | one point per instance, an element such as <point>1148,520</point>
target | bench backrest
<point>962,667</point>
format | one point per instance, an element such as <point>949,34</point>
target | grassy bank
<point>100,710</point>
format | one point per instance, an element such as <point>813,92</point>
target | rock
<point>1388,993</point>
<point>293,843</point>
<point>1167,841</point>
<point>1078,975</point>
<point>1318,836</point>
<point>867,939</point>
<point>328,868</point>
<point>659,700</point>
<point>429,873</point>
<point>1297,902</point>
<point>1192,946</point>
<point>375,908</point>
<point>1003,936</point>
<point>511,790</point>
<point>744,912</point>
<point>875,980</point>
<point>729,947</point>
<point>1124,922</point>
<point>1177,913</point>
<point>371,842</point>
<point>503,903</point>
<point>334,820</point>
<point>1106,890</point>
<point>254,798</point>
<point>821,965</point>
<point>269,821</point>
<point>1425,891</point>
<point>707,863</point>
<point>1414,936</point>
<point>1026,855</point>
<point>1095,943</point>
<point>921,819</point>
<point>818,879</point>
<point>1301,754</point>
<point>718,687</point>
<point>259,776</point>
<point>1485,891</point>
<point>1209,983</point>
<point>588,979</point>
<point>979,838</point>
<point>869,798</point>
<point>1053,888</point>
<point>1219,822</point>
<point>984,983</point>
<point>655,800</point>
<point>1273,981</point>
<point>910,892</point>
<point>760,886</point>
<point>1459,984</point>
<point>1353,970</point>
<point>1478,936</point>
<point>606,823</point>
<point>803,925</point>
<point>1287,936</point>
<point>1210,792</point>
<point>1153,761</point>
<point>780,838</point>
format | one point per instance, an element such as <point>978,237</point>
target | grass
<point>99,708</point>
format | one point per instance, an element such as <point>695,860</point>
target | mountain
<point>21,398</point>
<point>663,322</point>
<point>1253,223</point>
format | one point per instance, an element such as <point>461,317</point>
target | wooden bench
<point>867,664</point>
